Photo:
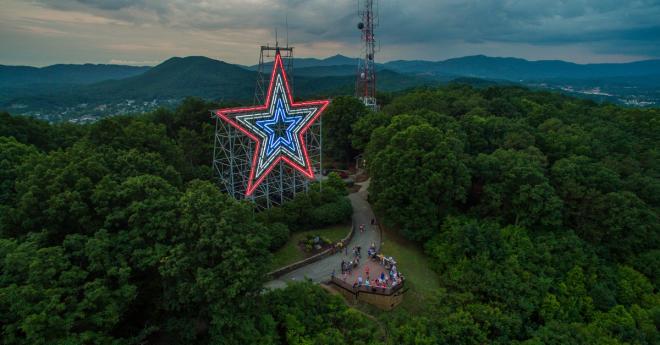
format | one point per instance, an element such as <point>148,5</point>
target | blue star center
<point>279,129</point>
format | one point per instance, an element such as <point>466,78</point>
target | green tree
<point>363,127</point>
<point>306,314</point>
<point>337,122</point>
<point>512,186</point>
<point>213,271</point>
<point>12,155</point>
<point>417,178</point>
<point>625,225</point>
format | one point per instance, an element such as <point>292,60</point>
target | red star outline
<point>225,114</point>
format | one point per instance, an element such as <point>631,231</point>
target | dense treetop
<point>538,211</point>
<point>115,233</point>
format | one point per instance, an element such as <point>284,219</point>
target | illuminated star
<point>277,127</point>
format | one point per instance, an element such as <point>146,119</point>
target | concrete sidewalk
<point>322,269</point>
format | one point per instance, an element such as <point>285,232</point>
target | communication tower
<point>365,86</point>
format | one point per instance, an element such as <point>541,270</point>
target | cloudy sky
<point>146,32</point>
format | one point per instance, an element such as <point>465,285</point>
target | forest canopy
<point>538,211</point>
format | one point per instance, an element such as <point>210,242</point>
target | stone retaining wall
<point>371,289</point>
<point>316,257</point>
<point>383,298</point>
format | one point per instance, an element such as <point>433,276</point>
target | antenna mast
<point>365,86</point>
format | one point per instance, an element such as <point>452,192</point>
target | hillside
<point>325,71</point>
<point>515,217</point>
<point>387,81</point>
<point>47,93</point>
<point>336,60</point>
<point>519,69</point>
<point>181,77</point>
<point>11,76</point>
<point>178,78</point>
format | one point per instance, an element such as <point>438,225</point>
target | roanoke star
<point>277,127</point>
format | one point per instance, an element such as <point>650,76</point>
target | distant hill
<point>203,77</point>
<point>63,92</point>
<point>480,66</point>
<point>515,69</point>
<point>13,76</point>
<point>213,79</point>
<point>325,71</point>
<point>335,85</point>
<point>177,78</point>
<point>336,60</point>
<point>181,77</point>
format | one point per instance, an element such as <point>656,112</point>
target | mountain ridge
<point>200,76</point>
<point>66,73</point>
<point>516,69</point>
<point>335,60</point>
<point>177,78</point>
<point>483,66</point>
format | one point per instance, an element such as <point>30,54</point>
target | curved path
<point>321,270</point>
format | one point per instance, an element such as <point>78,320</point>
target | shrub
<point>278,234</point>
<point>332,213</point>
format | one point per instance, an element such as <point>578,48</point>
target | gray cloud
<point>579,30</point>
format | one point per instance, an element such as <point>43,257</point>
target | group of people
<point>386,279</point>
<point>390,277</point>
<point>347,265</point>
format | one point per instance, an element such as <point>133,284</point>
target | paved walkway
<point>321,270</point>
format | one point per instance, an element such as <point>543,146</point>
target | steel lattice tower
<point>365,86</point>
<point>233,150</point>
